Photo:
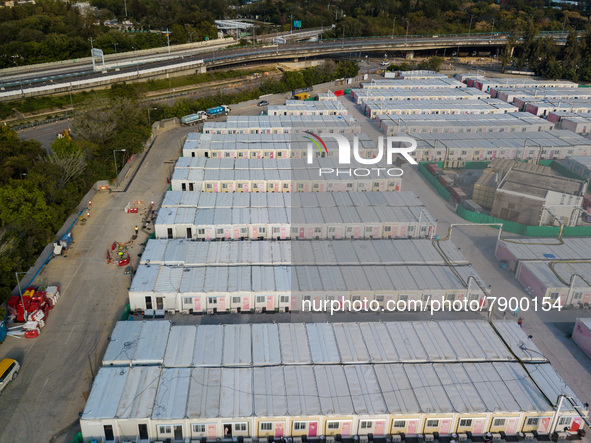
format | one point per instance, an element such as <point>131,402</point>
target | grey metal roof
<point>548,249</point>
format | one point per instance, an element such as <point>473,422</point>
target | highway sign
<point>297,23</point>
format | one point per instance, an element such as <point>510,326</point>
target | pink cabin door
<point>270,306</point>
<point>278,430</point>
<point>197,304</point>
<point>544,425</point>
<point>511,426</point>
<point>227,233</point>
<point>221,303</point>
<point>478,426</point>
<point>310,233</point>
<point>302,233</point>
<point>378,428</point>
<point>236,233</point>
<point>211,432</point>
<point>312,429</point>
<point>255,232</point>
<point>208,234</point>
<point>215,187</point>
<point>346,429</point>
<point>230,187</point>
<point>356,232</point>
<point>246,187</point>
<point>276,187</point>
<point>245,304</point>
<point>376,232</point>
<point>402,231</point>
<point>283,233</point>
<point>412,427</point>
<point>445,425</point>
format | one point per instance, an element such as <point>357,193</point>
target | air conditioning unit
<point>562,436</point>
<point>283,310</point>
<point>462,437</point>
<point>363,439</point>
<point>297,440</point>
<point>528,436</point>
<point>185,311</point>
<point>258,310</point>
<point>429,437</point>
<point>496,437</point>
<point>210,310</point>
<point>329,439</point>
<point>234,310</point>
<point>171,311</point>
<point>248,440</point>
<point>396,438</point>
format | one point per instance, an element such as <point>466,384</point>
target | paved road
<point>45,134</point>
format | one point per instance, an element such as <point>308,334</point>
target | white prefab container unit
<point>212,180</point>
<point>279,275</point>
<point>444,378</point>
<point>437,83</point>
<point>418,74</point>
<point>487,84</point>
<point>458,148</point>
<point>546,268</point>
<point>579,165</point>
<point>375,108</point>
<point>460,123</point>
<point>303,216</point>
<point>283,124</point>
<point>510,94</point>
<point>297,107</point>
<point>582,334</point>
<point>361,95</point>
<point>267,146</point>
<point>326,96</point>
<point>542,108</point>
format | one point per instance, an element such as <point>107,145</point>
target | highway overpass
<point>187,62</point>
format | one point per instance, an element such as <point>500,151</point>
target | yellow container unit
<point>301,96</point>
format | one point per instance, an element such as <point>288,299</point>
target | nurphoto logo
<point>394,145</point>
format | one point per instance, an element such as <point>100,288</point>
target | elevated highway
<point>187,62</point>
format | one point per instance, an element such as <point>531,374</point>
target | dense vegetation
<point>54,30</point>
<point>38,191</point>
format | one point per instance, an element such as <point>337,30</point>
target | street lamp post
<point>406,39</point>
<point>492,28</point>
<point>393,25</point>
<point>115,45</point>
<point>20,291</point>
<point>115,159</point>
<point>470,27</point>
<point>150,109</point>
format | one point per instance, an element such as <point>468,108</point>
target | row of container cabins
<point>208,277</point>
<point>461,123</point>
<point>297,107</point>
<point>297,216</point>
<point>267,146</point>
<point>306,381</point>
<point>556,270</point>
<point>488,84</point>
<point>374,108</point>
<point>283,124</point>
<point>252,175</point>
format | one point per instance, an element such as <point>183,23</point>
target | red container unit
<point>445,180</point>
<point>433,169</point>
<point>457,193</point>
<point>339,92</point>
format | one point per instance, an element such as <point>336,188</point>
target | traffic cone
<point>87,214</point>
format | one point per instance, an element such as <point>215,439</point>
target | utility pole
<point>492,28</point>
<point>343,45</point>
<point>115,45</point>
<point>470,28</point>
<point>291,23</point>
<point>125,3</point>
<point>393,25</point>
<point>406,40</point>
<point>168,39</point>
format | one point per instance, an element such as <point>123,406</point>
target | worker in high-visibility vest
<point>136,230</point>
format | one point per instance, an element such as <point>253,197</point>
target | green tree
<point>23,210</point>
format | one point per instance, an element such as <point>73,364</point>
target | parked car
<point>385,63</point>
<point>8,371</point>
<point>263,103</point>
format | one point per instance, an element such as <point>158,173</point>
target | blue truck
<point>217,111</point>
<point>193,119</point>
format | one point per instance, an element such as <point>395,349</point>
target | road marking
<point>69,335</point>
<point>41,390</point>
